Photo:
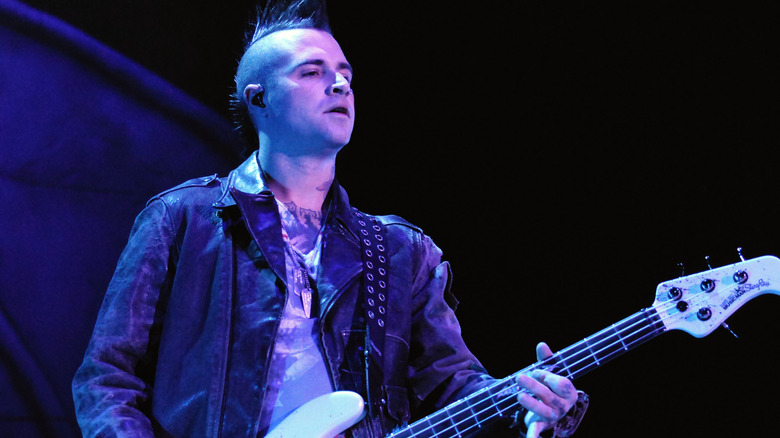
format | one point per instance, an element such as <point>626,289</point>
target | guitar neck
<point>500,399</point>
<point>596,350</point>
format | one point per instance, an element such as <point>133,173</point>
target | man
<point>239,299</point>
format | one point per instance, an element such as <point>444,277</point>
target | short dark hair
<point>273,17</point>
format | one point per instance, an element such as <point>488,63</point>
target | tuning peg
<point>739,253</point>
<point>681,265</point>
<point>707,259</point>
<point>726,326</point>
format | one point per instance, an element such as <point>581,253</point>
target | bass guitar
<point>696,304</point>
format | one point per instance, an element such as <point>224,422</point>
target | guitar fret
<point>455,420</point>
<point>573,361</point>
<point>609,343</point>
<point>482,408</point>
<point>562,364</point>
<point>487,403</point>
<point>592,353</point>
<point>465,415</point>
<point>617,335</point>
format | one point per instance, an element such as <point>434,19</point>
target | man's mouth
<point>340,110</point>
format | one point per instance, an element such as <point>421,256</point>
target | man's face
<point>307,90</point>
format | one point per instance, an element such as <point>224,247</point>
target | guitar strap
<point>375,289</point>
<point>374,255</point>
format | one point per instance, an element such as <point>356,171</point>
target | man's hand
<point>547,396</point>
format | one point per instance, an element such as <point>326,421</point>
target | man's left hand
<point>547,396</point>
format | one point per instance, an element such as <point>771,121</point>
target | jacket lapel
<point>262,220</point>
<point>245,189</point>
<point>341,260</point>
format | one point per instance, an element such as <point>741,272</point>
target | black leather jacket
<point>183,340</point>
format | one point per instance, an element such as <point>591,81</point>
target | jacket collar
<point>248,179</point>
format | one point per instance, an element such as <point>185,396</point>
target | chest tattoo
<point>302,226</point>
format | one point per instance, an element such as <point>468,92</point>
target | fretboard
<point>499,400</point>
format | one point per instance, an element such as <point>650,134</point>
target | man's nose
<point>341,85</point>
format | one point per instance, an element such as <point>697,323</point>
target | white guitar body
<point>323,417</point>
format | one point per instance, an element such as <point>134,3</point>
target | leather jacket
<point>183,340</point>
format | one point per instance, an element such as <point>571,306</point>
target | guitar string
<point>512,386</point>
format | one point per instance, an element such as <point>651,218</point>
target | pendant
<point>306,299</point>
<point>302,280</point>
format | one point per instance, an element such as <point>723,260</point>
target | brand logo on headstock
<point>742,290</point>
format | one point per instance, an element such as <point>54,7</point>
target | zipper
<point>268,358</point>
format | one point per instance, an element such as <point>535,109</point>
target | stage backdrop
<point>86,137</point>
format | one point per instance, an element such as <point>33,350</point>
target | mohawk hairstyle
<point>295,14</point>
<point>273,17</point>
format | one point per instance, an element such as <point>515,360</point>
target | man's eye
<point>311,73</point>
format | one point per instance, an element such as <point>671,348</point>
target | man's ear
<point>253,93</point>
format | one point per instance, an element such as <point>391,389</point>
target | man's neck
<point>304,180</point>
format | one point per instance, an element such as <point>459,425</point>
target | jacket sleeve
<point>111,388</point>
<point>442,369</point>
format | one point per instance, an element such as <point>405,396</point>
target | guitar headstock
<point>699,303</point>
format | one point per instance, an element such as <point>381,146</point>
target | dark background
<point>566,157</point>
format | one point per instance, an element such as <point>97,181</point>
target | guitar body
<point>323,417</point>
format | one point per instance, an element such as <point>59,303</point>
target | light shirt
<point>297,371</point>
